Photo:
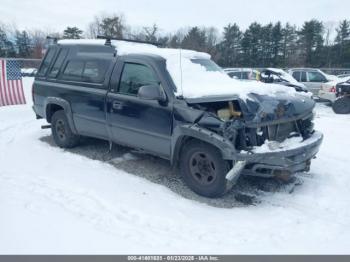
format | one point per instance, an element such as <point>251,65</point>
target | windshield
<point>208,64</point>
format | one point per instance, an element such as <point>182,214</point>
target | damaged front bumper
<point>278,162</point>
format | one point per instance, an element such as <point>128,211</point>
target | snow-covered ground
<point>56,201</point>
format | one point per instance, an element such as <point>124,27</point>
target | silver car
<point>313,79</point>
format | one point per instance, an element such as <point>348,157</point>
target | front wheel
<point>203,169</point>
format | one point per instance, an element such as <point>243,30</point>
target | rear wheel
<point>342,105</point>
<point>61,131</point>
<point>203,169</point>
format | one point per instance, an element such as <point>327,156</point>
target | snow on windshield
<point>190,73</point>
<point>197,81</point>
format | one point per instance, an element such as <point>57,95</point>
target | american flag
<point>11,87</point>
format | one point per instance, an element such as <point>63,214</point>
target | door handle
<point>116,105</point>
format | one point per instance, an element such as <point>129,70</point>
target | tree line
<point>269,45</point>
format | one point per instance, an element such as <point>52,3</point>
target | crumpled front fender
<point>183,132</point>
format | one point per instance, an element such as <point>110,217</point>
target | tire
<point>203,169</point>
<point>61,131</point>
<point>342,105</point>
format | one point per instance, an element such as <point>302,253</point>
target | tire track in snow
<point>15,130</point>
<point>280,200</point>
<point>89,207</point>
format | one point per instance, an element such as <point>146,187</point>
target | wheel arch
<point>53,104</point>
<point>184,134</point>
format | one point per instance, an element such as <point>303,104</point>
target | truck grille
<point>249,137</point>
<point>281,131</point>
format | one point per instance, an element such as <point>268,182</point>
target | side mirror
<point>151,92</point>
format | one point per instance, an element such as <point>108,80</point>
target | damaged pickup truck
<point>178,105</point>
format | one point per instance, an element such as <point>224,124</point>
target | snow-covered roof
<point>192,79</point>
<point>125,48</point>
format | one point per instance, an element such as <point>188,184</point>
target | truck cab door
<point>133,121</point>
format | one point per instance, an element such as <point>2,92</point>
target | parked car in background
<point>243,73</point>
<point>343,75</point>
<point>342,103</point>
<point>279,76</point>
<point>328,90</point>
<point>311,78</point>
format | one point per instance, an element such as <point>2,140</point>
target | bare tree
<point>108,25</point>
<point>93,28</point>
<point>38,38</point>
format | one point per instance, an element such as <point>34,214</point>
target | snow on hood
<point>285,76</point>
<point>330,77</point>
<point>193,80</point>
<point>338,81</point>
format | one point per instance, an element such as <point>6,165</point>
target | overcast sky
<point>169,15</point>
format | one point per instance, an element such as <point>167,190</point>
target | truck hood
<point>278,108</point>
<point>264,109</point>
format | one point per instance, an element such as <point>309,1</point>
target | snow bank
<point>192,80</point>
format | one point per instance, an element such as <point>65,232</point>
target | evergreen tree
<point>289,45</point>
<point>230,47</point>
<point>311,41</point>
<point>251,45</point>
<point>276,43</point>
<point>265,49</point>
<point>195,40</point>
<point>72,33</point>
<point>342,39</point>
<point>7,48</point>
<point>23,44</point>
<point>3,39</point>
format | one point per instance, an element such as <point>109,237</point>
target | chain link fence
<point>29,67</point>
<point>331,71</point>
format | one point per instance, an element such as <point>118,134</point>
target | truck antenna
<point>181,71</point>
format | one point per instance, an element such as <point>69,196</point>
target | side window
<point>245,75</point>
<point>316,77</point>
<point>134,76</point>
<point>303,77</point>
<point>73,70</point>
<point>58,63</point>
<point>95,71</point>
<point>86,71</point>
<point>236,75</point>
<point>296,75</point>
<point>47,61</point>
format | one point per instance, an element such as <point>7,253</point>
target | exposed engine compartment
<point>245,133</point>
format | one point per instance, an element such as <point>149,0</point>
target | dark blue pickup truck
<point>138,96</point>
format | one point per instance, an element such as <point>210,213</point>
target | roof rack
<point>108,40</point>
